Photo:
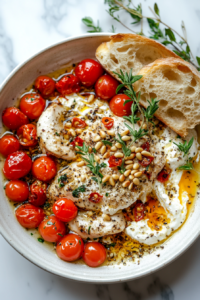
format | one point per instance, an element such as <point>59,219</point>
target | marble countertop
<point>25,28</point>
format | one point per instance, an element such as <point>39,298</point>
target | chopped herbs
<point>107,143</point>
<point>40,240</point>
<point>89,229</point>
<point>61,180</point>
<point>185,147</point>
<point>79,242</point>
<point>57,134</point>
<point>110,245</point>
<point>79,190</point>
<point>94,150</point>
<point>107,194</point>
<point>31,233</point>
<point>60,234</point>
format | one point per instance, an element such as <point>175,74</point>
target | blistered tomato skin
<point>114,161</point>
<point>108,122</point>
<point>70,248</point>
<point>68,84</point>
<point>44,168</point>
<point>13,118</point>
<point>105,87</point>
<point>117,107</point>
<point>17,165</point>
<point>29,216</point>
<point>9,144</point>
<point>52,230</point>
<point>45,85</point>
<point>27,135</point>
<point>32,105</point>
<point>88,71</point>
<point>37,195</point>
<point>94,254</point>
<point>65,209</point>
<point>17,190</point>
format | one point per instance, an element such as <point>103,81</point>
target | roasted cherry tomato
<point>139,211</point>
<point>145,146</point>
<point>17,190</point>
<point>68,84</point>
<point>94,254</point>
<point>146,161</point>
<point>29,216</point>
<point>70,248</point>
<point>9,144</point>
<point>114,161</point>
<point>108,122</point>
<point>32,105</point>
<point>88,71</point>
<point>17,165</point>
<point>52,230</point>
<point>37,195</point>
<point>77,142</point>
<point>117,107</point>
<point>95,197</point>
<point>45,85</point>
<point>44,168</point>
<point>65,209</point>
<point>105,87</point>
<point>27,135</point>
<point>78,123</point>
<point>163,175</point>
<point>13,118</point>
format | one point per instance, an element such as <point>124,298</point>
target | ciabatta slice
<point>176,83</point>
<point>126,51</point>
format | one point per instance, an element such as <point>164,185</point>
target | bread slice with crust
<point>126,51</point>
<point>176,83</point>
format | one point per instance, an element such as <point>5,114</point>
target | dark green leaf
<point>156,9</point>
<point>198,60</point>
<point>80,189</point>
<point>95,179</point>
<point>89,229</point>
<point>170,34</point>
<point>40,240</point>
<point>107,143</point>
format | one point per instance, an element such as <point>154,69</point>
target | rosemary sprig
<point>126,150</point>
<point>185,148</point>
<point>151,109</point>
<point>188,166</point>
<point>90,24</point>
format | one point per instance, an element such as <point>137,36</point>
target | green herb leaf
<point>185,147</point>
<point>90,24</point>
<point>80,189</point>
<point>122,167</point>
<point>62,179</point>
<point>107,194</point>
<point>126,150</point>
<point>40,240</point>
<point>188,166</point>
<point>110,245</point>
<point>107,143</point>
<point>198,60</point>
<point>60,234</point>
<point>89,229</point>
<point>170,34</point>
<point>151,109</point>
<point>156,9</point>
<point>95,179</point>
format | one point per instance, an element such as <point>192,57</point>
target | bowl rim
<point>81,278</point>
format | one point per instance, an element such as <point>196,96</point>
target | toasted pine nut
<point>115,176</point>
<point>111,132</point>
<point>131,177</point>
<point>79,131</point>
<point>136,166</point>
<point>68,125</point>
<point>139,156</point>
<point>106,217</point>
<point>134,171</point>
<point>128,162</point>
<point>103,149</point>
<point>83,178</point>
<point>106,155</point>
<point>138,174</point>
<point>80,164</point>
<point>129,167</point>
<point>96,138</point>
<point>130,186</point>
<point>146,153</point>
<point>111,181</point>
<point>72,132</point>
<point>125,132</point>
<point>122,178</point>
<point>113,148</point>
<point>105,178</point>
<point>90,149</point>
<point>126,173</point>
<point>91,98</point>
<point>118,154</point>
<point>118,145</point>
<point>126,138</point>
<point>144,126</point>
<point>139,149</point>
<point>102,134</point>
<point>136,181</point>
<point>97,158</point>
<point>90,213</point>
<point>126,183</point>
<point>130,157</point>
<point>133,149</point>
<point>98,145</point>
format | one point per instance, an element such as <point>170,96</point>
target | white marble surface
<point>25,28</point>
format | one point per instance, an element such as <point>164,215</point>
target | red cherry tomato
<point>68,84</point>
<point>88,71</point>
<point>105,87</point>
<point>65,209</point>
<point>44,168</point>
<point>78,123</point>
<point>70,248</point>
<point>17,165</point>
<point>17,190</point>
<point>45,85</point>
<point>27,135</point>
<point>29,216</point>
<point>13,118</point>
<point>51,229</point>
<point>163,175</point>
<point>108,122</point>
<point>9,144</point>
<point>95,197</point>
<point>94,254</point>
<point>32,105</point>
<point>37,195</point>
<point>146,161</point>
<point>139,211</point>
<point>114,161</point>
<point>77,142</point>
<point>145,146</point>
<point>117,107</point>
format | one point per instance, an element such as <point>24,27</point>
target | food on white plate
<point>93,172</point>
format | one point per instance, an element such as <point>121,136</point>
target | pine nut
<point>72,132</point>
<point>129,167</point>
<point>103,149</point>
<point>90,149</point>
<point>125,132</point>
<point>133,148</point>
<point>91,98</point>
<point>122,178</point>
<point>102,134</point>
<point>105,178</point>
<point>79,131</point>
<point>115,176</point>
<point>106,155</point>
<point>126,173</point>
<point>130,157</point>
<point>111,132</point>
<point>96,158</point>
<point>139,149</point>
<point>113,148</point>
<point>126,183</point>
<point>90,213</point>
<point>146,153</point>
<point>144,126</point>
<point>68,125</point>
<point>118,145</point>
<point>139,156</point>
<point>130,186</point>
<point>96,138</point>
<point>80,164</point>
<point>134,171</point>
<point>136,166</point>
<point>136,181</point>
<point>83,178</point>
<point>106,217</point>
<point>111,181</point>
<point>131,177</point>
<point>98,145</point>
<point>138,174</point>
<point>118,154</point>
<point>126,138</point>
<point>128,162</point>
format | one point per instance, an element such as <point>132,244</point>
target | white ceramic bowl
<point>67,52</point>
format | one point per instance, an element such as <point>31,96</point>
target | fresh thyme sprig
<point>90,24</point>
<point>151,109</point>
<point>126,150</point>
<point>185,148</point>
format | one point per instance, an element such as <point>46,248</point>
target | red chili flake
<point>114,161</point>
<point>108,122</point>
<point>139,211</point>
<point>77,142</point>
<point>95,197</point>
<point>78,123</point>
